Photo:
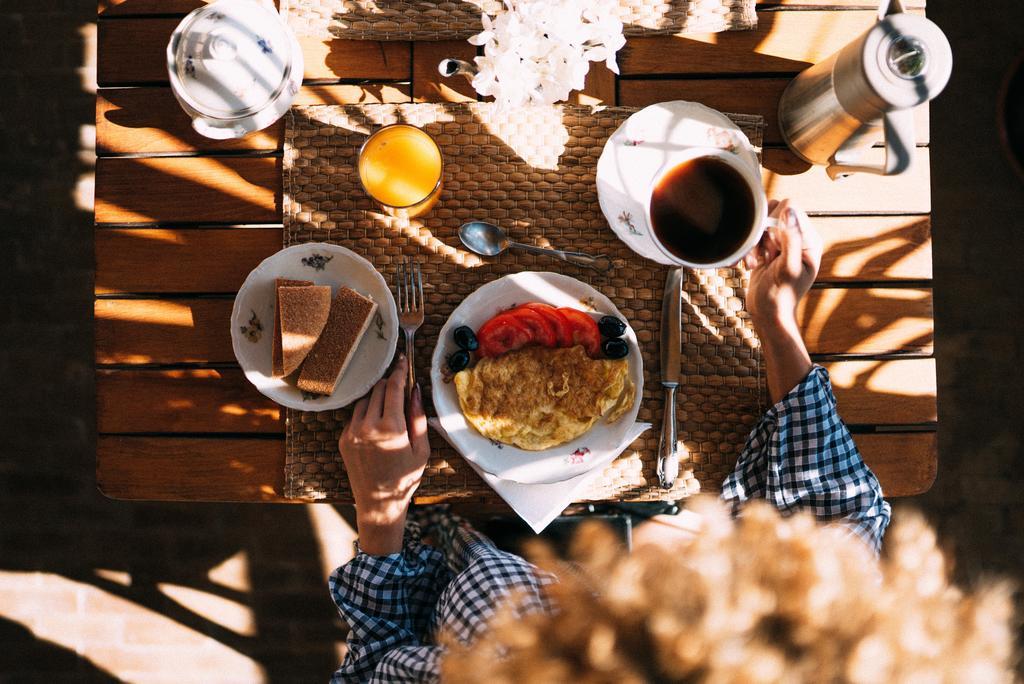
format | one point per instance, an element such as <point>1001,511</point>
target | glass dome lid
<point>231,58</point>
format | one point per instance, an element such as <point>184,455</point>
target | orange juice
<point>400,166</point>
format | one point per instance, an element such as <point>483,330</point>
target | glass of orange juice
<point>400,167</point>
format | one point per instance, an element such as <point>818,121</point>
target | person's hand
<point>782,266</point>
<point>782,269</point>
<point>385,450</point>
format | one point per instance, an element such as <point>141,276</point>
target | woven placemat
<point>445,20</point>
<point>533,172</point>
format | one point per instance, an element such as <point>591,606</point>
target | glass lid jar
<point>234,59</point>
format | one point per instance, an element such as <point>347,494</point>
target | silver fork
<point>409,293</point>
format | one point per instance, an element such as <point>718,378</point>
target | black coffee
<point>702,210</point>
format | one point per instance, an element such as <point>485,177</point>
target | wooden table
<point>181,220</point>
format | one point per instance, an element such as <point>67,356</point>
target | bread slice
<point>351,314</point>
<point>304,313</point>
<point>278,369</point>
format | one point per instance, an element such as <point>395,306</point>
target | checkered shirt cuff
<point>801,457</point>
<point>388,602</point>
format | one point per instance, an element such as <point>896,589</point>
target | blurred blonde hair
<point>759,599</point>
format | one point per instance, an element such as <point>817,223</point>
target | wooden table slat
<point>783,43</point>
<point>133,51</point>
<point>248,190</point>
<point>857,249</point>
<point>117,8</point>
<point>785,175</point>
<point>205,469</point>
<point>219,259</point>
<point>148,120</point>
<point>894,392</point>
<point>191,469</point>
<point>163,331</point>
<point>196,400</point>
<point>742,96</point>
<point>905,463</point>
<point>867,321</point>
<point>875,248</point>
<point>834,321</point>
<point>196,189</point>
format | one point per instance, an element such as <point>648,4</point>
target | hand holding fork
<point>409,298</point>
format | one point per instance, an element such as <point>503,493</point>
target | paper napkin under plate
<point>539,504</point>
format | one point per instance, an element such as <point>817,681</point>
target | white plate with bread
<point>314,327</point>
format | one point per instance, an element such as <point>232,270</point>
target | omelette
<point>536,398</point>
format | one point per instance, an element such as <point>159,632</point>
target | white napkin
<point>539,504</point>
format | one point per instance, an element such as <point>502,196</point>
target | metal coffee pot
<point>832,112</point>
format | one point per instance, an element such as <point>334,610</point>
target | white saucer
<point>642,145</point>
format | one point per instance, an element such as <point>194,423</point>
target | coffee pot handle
<point>887,7</point>
<point>898,126</point>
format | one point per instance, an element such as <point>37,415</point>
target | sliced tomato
<point>541,329</point>
<point>584,331</point>
<point>501,334</point>
<point>563,331</point>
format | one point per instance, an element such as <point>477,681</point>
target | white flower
<point>538,51</point>
<point>485,35</point>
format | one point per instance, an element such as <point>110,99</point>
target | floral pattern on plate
<point>253,330</point>
<point>579,456</point>
<point>317,262</point>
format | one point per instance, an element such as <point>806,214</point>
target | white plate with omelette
<point>253,323</point>
<point>612,412</point>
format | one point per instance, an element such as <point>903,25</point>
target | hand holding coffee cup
<point>783,266</point>
<point>707,209</point>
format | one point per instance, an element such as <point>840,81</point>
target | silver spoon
<point>487,239</point>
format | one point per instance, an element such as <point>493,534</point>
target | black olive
<point>459,360</point>
<point>615,348</point>
<point>610,326</point>
<point>466,338</point>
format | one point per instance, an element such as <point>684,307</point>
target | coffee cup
<point>706,209</point>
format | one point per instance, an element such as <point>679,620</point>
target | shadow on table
<point>250,577</point>
<point>46,656</point>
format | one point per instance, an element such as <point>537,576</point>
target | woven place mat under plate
<point>532,171</point>
<point>447,20</point>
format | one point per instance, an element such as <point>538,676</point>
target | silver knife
<point>668,450</point>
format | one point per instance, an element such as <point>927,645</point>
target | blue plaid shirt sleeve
<point>802,457</point>
<point>388,603</point>
<point>398,606</point>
